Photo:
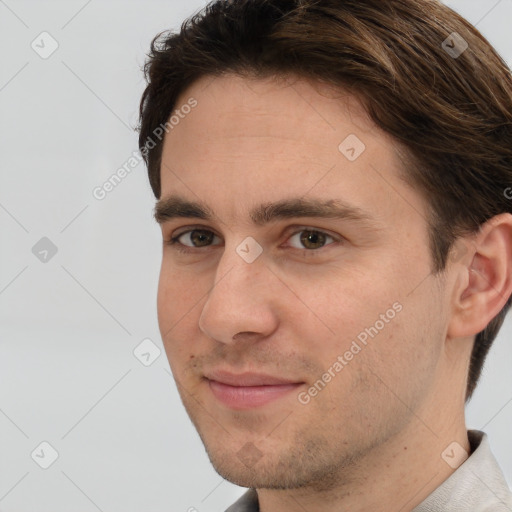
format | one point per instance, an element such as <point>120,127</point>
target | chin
<point>278,469</point>
<point>258,477</point>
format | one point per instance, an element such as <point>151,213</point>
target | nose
<point>243,302</point>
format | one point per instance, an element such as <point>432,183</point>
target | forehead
<point>250,140</point>
<point>256,104</point>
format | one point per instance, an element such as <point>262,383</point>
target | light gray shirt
<point>478,485</point>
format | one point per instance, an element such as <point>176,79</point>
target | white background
<point>68,327</point>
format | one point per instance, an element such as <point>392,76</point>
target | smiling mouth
<point>247,397</point>
<point>248,390</point>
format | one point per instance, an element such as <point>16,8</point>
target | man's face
<point>345,310</point>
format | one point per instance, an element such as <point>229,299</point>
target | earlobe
<point>487,279</point>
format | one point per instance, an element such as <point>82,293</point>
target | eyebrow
<point>176,206</point>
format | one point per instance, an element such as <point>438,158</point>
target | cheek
<point>370,321</point>
<point>173,303</point>
<point>177,295</point>
<point>348,308</point>
<point>181,296</point>
<point>165,302</point>
<point>404,355</point>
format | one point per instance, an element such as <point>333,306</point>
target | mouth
<point>248,390</point>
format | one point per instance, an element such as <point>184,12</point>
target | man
<point>332,181</point>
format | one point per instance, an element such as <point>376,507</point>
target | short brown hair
<point>452,113</point>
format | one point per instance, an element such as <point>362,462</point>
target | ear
<point>484,281</point>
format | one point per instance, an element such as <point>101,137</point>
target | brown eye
<point>311,239</point>
<point>199,237</point>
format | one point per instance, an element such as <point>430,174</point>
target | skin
<point>372,439</point>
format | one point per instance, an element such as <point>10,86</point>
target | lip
<point>247,379</point>
<point>248,390</point>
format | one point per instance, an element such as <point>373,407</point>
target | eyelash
<point>178,246</point>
